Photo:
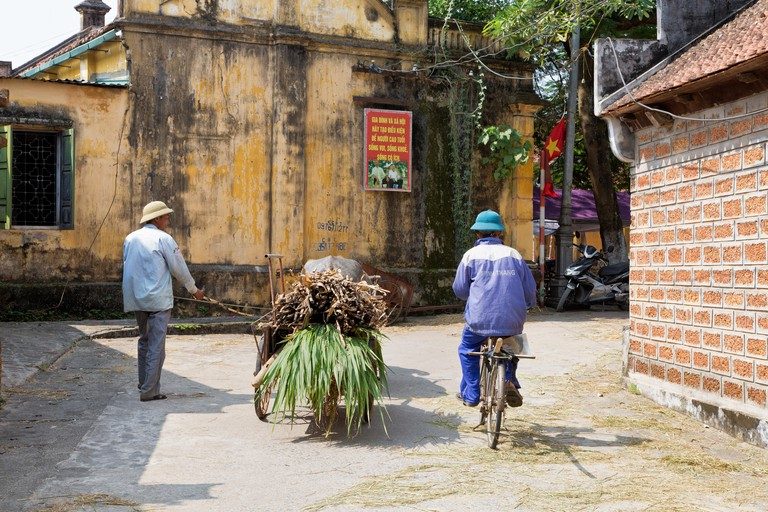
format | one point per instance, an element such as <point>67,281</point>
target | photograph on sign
<point>387,150</point>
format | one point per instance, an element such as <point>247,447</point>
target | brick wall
<point>699,259</point>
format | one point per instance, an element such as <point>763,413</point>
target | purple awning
<point>583,209</point>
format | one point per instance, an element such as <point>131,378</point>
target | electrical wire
<point>483,64</point>
<point>34,46</point>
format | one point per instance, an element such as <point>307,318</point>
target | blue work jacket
<point>498,287</point>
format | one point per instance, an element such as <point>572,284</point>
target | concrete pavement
<point>28,347</point>
<point>76,437</point>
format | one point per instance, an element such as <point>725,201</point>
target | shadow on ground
<point>399,424</point>
<point>49,427</point>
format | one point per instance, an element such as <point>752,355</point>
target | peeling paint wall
<point>200,138</point>
<point>255,138</point>
<point>367,19</point>
<point>97,116</point>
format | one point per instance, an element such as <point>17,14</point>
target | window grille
<point>35,164</point>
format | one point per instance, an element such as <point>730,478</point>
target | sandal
<point>156,397</point>
<point>514,398</point>
<point>461,399</point>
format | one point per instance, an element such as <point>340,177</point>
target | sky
<point>29,27</point>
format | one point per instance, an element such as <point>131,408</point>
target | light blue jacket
<point>150,256</point>
<point>498,287</point>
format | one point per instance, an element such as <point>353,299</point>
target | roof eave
<point>710,90</point>
<point>52,53</point>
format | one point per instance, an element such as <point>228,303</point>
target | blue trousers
<point>470,367</point>
<point>153,326</point>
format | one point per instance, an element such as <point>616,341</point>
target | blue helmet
<point>488,221</point>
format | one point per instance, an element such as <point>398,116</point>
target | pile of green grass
<point>318,365</point>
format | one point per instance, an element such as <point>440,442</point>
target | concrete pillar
<point>411,17</point>
<point>87,66</point>
<point>516,197</point>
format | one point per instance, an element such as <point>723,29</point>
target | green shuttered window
<point>36,178</point>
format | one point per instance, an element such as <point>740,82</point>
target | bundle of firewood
<point>329,297</point>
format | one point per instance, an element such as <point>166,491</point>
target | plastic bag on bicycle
<point>518,345</point>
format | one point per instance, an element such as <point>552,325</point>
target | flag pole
<point>542,221</point>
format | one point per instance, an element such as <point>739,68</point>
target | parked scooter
<point>609,285</point>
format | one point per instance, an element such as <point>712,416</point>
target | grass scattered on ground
<point>699,461</point>
<point>595,444</point>
<point>629,423</point>
<point>48,394</point>
<point>91,501</point>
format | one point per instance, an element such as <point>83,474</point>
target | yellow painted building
<point>247,118</point>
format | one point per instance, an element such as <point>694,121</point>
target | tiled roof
<point>736,42</point>
<point>66,81</point>
<point>68,44</point>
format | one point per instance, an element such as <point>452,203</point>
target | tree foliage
<point>533,26</point>
<point>474,11</point>
<point>540,30</point>
<point>507,149</point>
<point>552,85</point>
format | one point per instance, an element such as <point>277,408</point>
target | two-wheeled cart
<point>332,320</point>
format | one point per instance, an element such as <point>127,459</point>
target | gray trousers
<point>153,326</point>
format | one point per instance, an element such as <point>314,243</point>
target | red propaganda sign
<point>387,150</point>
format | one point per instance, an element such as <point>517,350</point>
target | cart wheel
<point>395,300</point>
<point>261,404</point>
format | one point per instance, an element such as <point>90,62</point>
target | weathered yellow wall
<point>411,16</point>
<point>110,58</point>
<point>51,254</point>
<point>367,19</point>
<point>256,142</point>
<point>209,156</point>
<point>342,219</point>
<point>228,11</point>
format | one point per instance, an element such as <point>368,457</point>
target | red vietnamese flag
<point>553,147</point>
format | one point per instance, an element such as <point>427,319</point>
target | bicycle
<point>494,354</point>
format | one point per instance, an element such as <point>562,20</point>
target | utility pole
<point>564,236</point>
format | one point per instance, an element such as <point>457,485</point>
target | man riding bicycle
<point>499,289</point>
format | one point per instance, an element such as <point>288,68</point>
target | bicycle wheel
<point>261,401</point>
<point>496,402</point>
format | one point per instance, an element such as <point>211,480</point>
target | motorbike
<point>608,285</point>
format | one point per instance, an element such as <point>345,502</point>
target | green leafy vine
<point>507,149</point>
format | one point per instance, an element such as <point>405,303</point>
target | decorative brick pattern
<point>699,256</point>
